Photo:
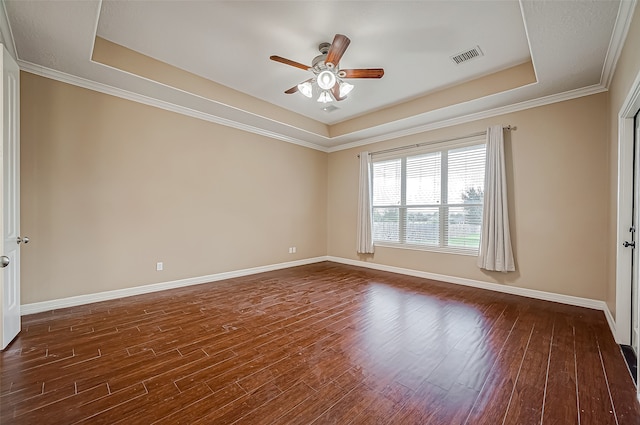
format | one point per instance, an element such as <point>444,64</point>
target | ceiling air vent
<point>330,108</point>
<point>468,55</point>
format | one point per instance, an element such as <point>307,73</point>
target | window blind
<point>431,199</point>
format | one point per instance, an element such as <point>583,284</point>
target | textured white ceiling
<point>570,43</point>
<point>230,43</point>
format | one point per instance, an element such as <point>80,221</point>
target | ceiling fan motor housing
<point>318,62</point>
<point>324,47</point>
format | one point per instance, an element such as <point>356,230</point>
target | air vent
<point>468,55</point>
<point>330,108</point>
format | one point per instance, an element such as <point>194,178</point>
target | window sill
<point>441,250</point>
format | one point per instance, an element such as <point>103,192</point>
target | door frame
<point>626,130</point>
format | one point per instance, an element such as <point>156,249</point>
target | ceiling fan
<point>328,78</point>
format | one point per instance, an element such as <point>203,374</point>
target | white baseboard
<point>145,289</point>
<point>530,293</point>
<point>611,321</point>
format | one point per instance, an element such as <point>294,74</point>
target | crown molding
<point>621,27</point>
<point>135,97</point>
<point>515,107</point>
<point>618,37</point>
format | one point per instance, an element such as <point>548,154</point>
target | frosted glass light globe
<point>326,80</point>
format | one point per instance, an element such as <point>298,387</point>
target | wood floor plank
<point>418,409</point>
<point>492,403</point>
<point>242,406</point>
<point>595,403</point>
<point>454,408</point>
<point>314,405</point>
<point>351,405</point>
<point>618,377</point>
<point>190,413</point>
<point>270,413</point>
<point>379,412</point>
<point>321,343</point>
<point>561,397</point>
<point>525,406</point>
<point>156,405</point>
<point>132,406</point>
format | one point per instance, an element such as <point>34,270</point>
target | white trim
<point>623,223</point>
<point>95,30</point>
<point>135,97</point>
<point>626,134</point>
<point>610,320</point>
<point>526,32</point>
<point>619,33</point>
<point>214,101</point>
<point>524,292</point>
<point>145,289</point>
<point>231,123</point>
<point>623,220</point>
<point>515,107</point>
<point>618,37</point>
<point>632,101</point>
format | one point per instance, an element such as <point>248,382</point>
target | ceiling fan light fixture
<point>306,89</point>
<point>325,97</point>
<point>345,88</point>
<point>326,80</point>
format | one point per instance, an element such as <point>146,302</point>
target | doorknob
<point>4,261</point>
<point>20,240</point>
<point>631,244</point>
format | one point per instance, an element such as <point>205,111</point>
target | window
<point>430,199</point>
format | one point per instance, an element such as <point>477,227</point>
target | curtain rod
<point>480,133</point>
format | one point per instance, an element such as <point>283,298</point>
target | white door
<point>635,262</point>
<point>10,198</point>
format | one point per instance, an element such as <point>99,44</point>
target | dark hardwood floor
<point>324,343</point>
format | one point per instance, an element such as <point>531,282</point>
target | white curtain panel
<point>495,242</point>
<point>365,215</point>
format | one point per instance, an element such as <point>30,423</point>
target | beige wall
<point>558,172</point>
<point>110,187</point>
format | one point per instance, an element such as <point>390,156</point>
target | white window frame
<point>443,206</point>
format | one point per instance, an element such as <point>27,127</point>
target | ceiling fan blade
<point>335,91</point>
<point>295,88</point>
<point>337,49</point>
<point>292,90</point>
<point>289,62</point>
<point>362,73</point>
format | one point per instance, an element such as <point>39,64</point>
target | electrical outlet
<point>159,266</point>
